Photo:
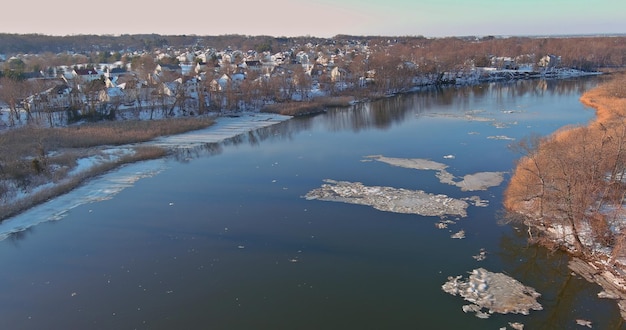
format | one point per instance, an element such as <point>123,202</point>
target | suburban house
<point>160,68</point>
<point>113,95</point>
<point>114,72</point>
<point>85,75</point>
<point>549,61</point>
<point>56,98</point>
<point>337,74</point>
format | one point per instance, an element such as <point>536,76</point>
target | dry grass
<point>565,175</point>
<point>609,99</point>
<point>31,157</point>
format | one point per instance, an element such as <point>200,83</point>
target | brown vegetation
<point>31,157</point>
<point>570,186</point>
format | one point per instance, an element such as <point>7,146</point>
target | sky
<point>318,18</point>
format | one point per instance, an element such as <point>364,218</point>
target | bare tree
<point>12,92</point>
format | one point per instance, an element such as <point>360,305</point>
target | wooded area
<point>570,186</point>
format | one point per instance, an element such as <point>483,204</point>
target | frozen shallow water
<point>109,184</point>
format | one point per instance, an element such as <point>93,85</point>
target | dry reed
<point>33,156</point>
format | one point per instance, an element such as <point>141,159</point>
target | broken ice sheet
<point>469,182</point>
<point>495,292</point>
<point>482,255</point>
<point>389,199</point>
<point>584,323</point>
<point>414,163</point>
<point>458,235</point>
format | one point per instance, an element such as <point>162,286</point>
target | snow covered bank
<point>109,184</point>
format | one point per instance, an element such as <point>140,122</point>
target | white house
<point>86,75</point>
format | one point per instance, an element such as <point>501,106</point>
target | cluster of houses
<point>192,77</point>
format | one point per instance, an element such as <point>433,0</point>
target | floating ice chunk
<point>389,199</point>
<point>480,181</point>
<point>482,315</point>
<point>500,137</point>
<point>495,292</point>
<point>471,308</point>
<point>607,295</point>
<point>458,235</point>
<point>414,163</point>
<point>470,182</point>
<point>482,255</point>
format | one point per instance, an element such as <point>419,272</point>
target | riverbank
<point>70,166</point>
<point>569,190</point>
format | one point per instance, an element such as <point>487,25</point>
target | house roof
<point>117,70</point>
<point>171,67</point>
<point>86,72</point>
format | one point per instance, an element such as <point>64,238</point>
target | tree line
<point>367,66</point>
<point>570,186</point>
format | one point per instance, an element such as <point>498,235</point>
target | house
<point>114,72</point>
<point>190,85</point>
<point>252,65</point>
<point>200,67</point>
<point>226,82</point>
<point>114,95</point>
<point>549,61</point>
<point>160,68</point>
<point>337,74</point>
<point>186,69</point>
<point>86,75</point>
<point>56,98</point>
<point>506,63</point>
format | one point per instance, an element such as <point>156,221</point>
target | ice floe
<point>458,235</point>
<point>469,182</point>
<point>500,137</point>
<point>482,255</point>
<point>411,201</point>
<point>493,293</point>
<point>389,199</point>
<point>584,323</point>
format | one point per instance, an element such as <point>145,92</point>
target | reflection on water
<point>382,114</point>
<point>564,294</point>
<point>221,237</point>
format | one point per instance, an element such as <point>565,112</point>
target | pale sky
<point>318,18</point>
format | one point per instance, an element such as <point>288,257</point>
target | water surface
<point>219,237</point>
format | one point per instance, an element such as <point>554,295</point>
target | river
<point>220,236</point>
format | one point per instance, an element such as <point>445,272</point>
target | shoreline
<point>290,109</point>
<point>95,170</point>
<point>607,269</point>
